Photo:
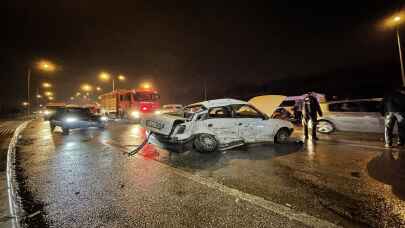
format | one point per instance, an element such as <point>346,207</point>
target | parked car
<point>218,124</point>
<point>76,117</point>
<point>362,115</point>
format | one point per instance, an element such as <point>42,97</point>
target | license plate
<point>154,124</point>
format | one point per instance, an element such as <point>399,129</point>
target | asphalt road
<point>86,179</point>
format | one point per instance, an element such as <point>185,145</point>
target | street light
<point>146,85</point>
<point>86,87</point>
<point>46,65</point>
<point>48,93</point>
<point>43,65</point>
<point>396,21</point>
<point>104,76</point>
<point>46,85</point>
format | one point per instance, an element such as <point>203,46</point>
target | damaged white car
<point>218,124</point>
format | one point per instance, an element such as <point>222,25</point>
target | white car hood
<point>267,103</point>
<point>161,124</point>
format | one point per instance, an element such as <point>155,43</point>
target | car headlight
<point>70,119</point>
<point>104,118</point>
<point>135,114</point>
<point>47,112</point>
<point>158,112</point>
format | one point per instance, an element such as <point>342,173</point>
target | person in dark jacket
<point>311,110</point>
<point>394,111</point>
<point>298,112</point>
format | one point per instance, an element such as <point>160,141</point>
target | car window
<point>345,107</point>
<point>219,112</point>
<point>370,106</point>
<point>189,111</point>
<point>245,111</point>
<point>287,103</point>
<point>128,97</point>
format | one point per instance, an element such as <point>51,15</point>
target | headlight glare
<point>70,119</point>
<point>135,114</point>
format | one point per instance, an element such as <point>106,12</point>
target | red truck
<point>130,104</point>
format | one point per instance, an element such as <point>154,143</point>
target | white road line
<point>16,209</point>
<point>255,200</point>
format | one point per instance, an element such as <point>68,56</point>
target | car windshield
<point>146,96</point>
<point>79,111</point>
<point>54,108</point>
<point>190,111</point>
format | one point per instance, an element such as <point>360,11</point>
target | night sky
<point>180,44</point>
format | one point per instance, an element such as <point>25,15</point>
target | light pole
<point>28,91</point>
<point>104,76</point>
<point>42,65</point>
<point>400,57</point>
<point>396,21</point>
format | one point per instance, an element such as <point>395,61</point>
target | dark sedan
<point>76,118</point>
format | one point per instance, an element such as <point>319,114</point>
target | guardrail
<point>15,204</point>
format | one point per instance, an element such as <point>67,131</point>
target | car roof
<point>354,100</point>
<point>219,102</point>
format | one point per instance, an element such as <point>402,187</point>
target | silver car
<point>362,115</point>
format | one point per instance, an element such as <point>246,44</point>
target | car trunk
<point>161,124</point>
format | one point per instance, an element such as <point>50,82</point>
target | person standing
<point>394,112</point>
<point>297,109</point>
<point>311,110</point>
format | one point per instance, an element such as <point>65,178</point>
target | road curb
<point>15,203</point>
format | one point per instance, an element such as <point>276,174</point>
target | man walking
<point>394,111</point>
<point>311,109</point>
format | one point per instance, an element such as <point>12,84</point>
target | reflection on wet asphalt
<point>87,179</point>
<point>390,170</point>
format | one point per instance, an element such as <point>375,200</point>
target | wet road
<point>87,179</point>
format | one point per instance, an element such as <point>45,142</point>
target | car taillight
<point>144,108</point>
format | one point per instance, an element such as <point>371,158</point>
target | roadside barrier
<point>15,203</point>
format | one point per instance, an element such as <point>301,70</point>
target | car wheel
<point>205,143</point>
<point>325,127</point>
<point>65,131</point>
<point>282,135</point>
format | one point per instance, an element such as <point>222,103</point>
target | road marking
<point>255,200</point>
<point>15,203</point>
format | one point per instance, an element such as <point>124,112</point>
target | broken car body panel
<point>232,122</point>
